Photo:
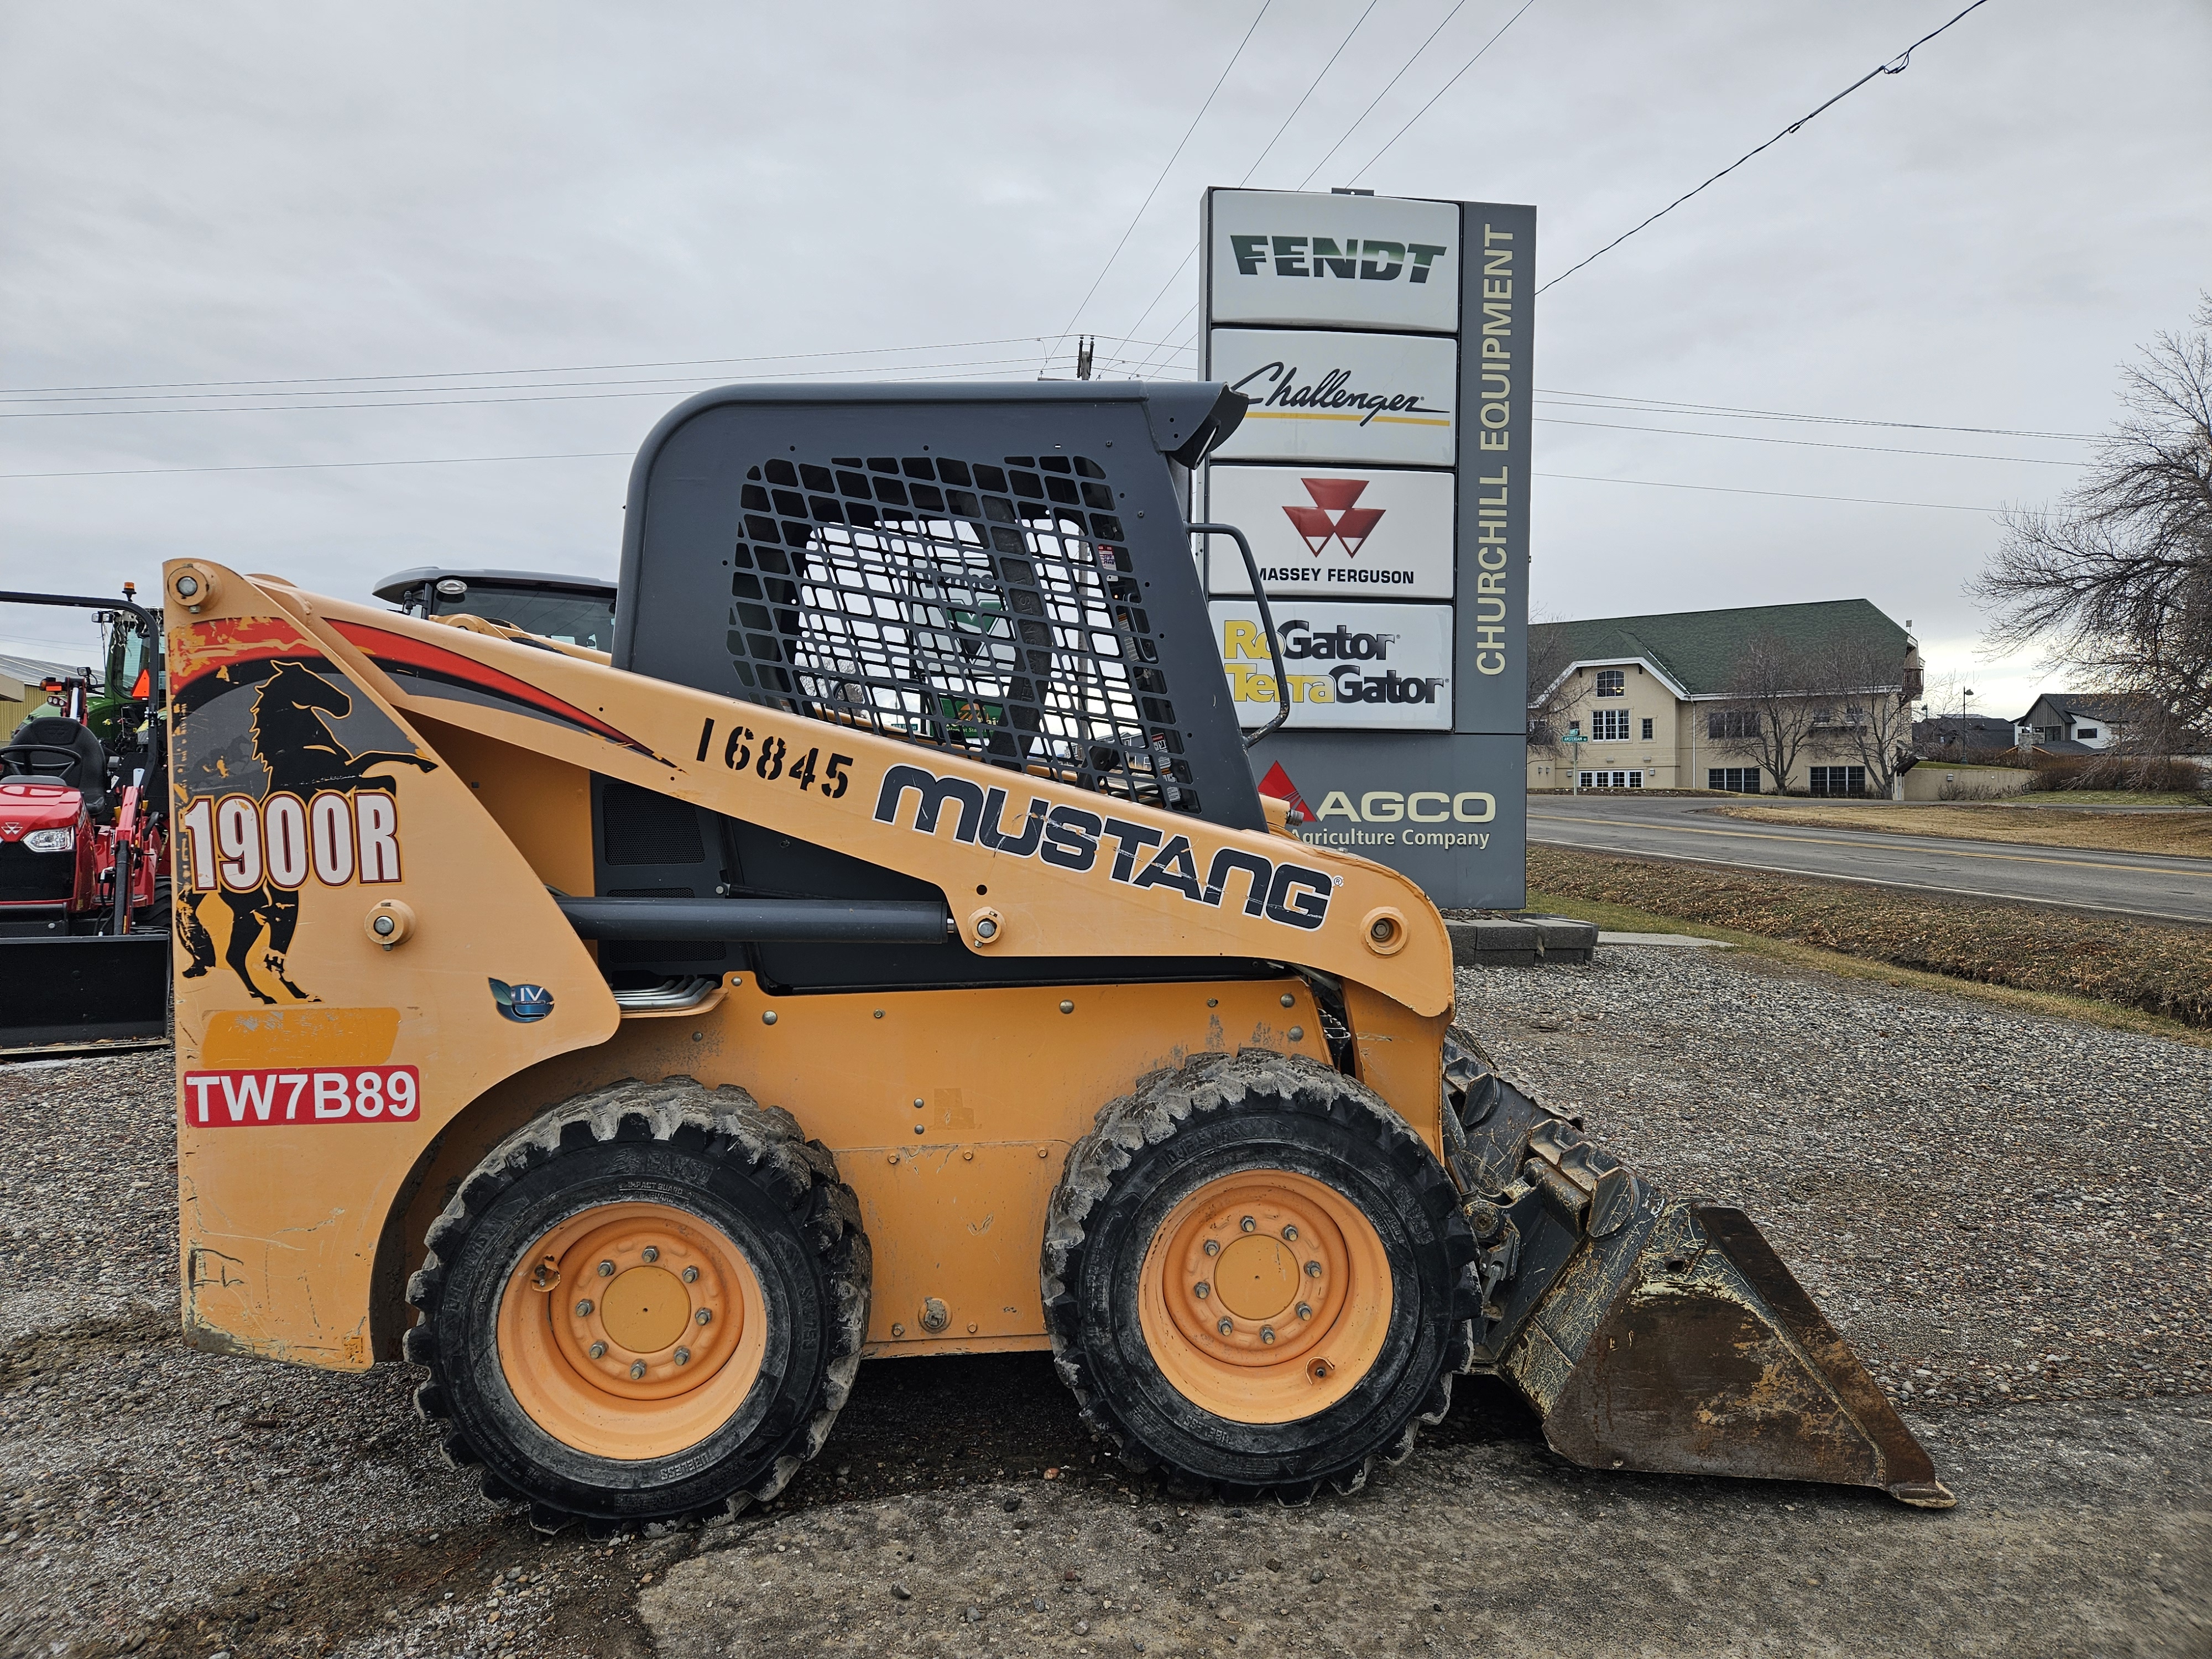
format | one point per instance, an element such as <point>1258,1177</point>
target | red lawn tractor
<point>84,846</point>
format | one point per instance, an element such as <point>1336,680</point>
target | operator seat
<point>87,772</point>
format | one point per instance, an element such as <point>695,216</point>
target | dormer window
<point>2085,733</point>
<point>1611,683</point>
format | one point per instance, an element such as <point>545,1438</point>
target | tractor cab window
<point>570,618</point>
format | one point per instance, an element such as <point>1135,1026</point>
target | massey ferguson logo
<point>1333,517</point>
<point>1074,839</point>
<point>1370,261</point>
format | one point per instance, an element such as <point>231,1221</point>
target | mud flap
<point>84,990</point>
<point>1652,1334</point>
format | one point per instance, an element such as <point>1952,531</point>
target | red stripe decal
<point>388,648</point>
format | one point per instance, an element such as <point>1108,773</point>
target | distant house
<point>2079,723</point>
<point>1965,740</point>
<point>1652,702</point>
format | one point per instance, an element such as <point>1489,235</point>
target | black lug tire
<point>718,1153</point>
<point>1181,1128</point>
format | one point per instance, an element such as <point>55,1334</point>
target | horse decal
<point>302,756</point>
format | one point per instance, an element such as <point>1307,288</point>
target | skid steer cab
<point>84,843</point>
<point>882,951</point>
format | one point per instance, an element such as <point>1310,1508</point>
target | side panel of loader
<point>287,698</point>
<point>314,1064</point>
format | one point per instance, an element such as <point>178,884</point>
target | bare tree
<point>1768,717</point>
<point>1869,685</point>
<point>2117,579</point>
<point>1551,690</point>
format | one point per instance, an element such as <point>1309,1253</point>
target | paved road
<point>1659,826</point>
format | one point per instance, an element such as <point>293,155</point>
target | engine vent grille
<point>989,608</point>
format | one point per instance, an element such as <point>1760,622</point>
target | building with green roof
<point>1669,702</point>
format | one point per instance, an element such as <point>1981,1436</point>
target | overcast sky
<point>449,196</point>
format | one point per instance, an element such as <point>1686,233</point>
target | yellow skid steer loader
<point>883,951</point>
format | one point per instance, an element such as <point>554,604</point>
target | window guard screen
<point>988,607</point>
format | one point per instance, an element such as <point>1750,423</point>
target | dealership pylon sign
<point>1381,474</point>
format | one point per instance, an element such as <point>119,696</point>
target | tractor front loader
<point>883,952</point>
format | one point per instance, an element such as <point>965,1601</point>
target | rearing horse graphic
<point>302,756</point>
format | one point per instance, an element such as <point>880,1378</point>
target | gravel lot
<point>2006,1214</point>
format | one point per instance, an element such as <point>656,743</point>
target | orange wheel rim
<point>632,1330</point>
<point>1265,1296</point>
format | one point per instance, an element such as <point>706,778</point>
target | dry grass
<point>2152,968</point>
<point>2187,833</point>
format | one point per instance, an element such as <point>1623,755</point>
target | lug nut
<point>1313,1270</point>
<point>705,1316</point>
<point>1201,1289</point>
<point>1304,1310</point>
<point>584,1309</point>
<point>1266,1332</point>
<point>1213,1247</point>
<point>651,1253</point>
<point>598,1351</point>
<point>683,1356</point>
<point>1226,1326</point>
<point>636,1369</point>
<point>1290,1234</point>
<point>606,1270</point>
<point>1247,1223</point>
<point>690,1275</point>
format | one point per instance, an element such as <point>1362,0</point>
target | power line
<point>1164,171</point>
<point>1728,411</point>
<point>1896,65</point>
<point>992,368</point>
<point>1310,91</point>
<point>1807,443</point>
<point>1379,96</point>
<point>337,382</point>
<point>473,373</point>
<point>1446,86</point>
<point>312,466</point>
<point>1785,494</point>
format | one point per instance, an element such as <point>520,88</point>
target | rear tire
<point>1200,1203</point>
<point>646,1305</point>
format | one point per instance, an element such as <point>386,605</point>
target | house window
<point>1839,780</point>
<point>1647,731</point>
<point>1610,725</point>
<point>1733,779</point>
<point>2085,733</point>
<point>1732,723</point>
<point>1611,683</point>
<point>1613,779</point>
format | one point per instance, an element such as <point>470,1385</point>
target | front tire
<point>1257,1278</point>
<point>646,1305</point>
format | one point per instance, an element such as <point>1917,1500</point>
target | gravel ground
<point>2006,1214</point>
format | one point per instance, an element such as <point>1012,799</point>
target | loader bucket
<point>1653,1335</point>
<point>84,991</point>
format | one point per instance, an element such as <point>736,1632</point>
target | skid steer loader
<point>883,951</point>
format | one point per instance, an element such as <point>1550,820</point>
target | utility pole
<point>1083,349</point>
